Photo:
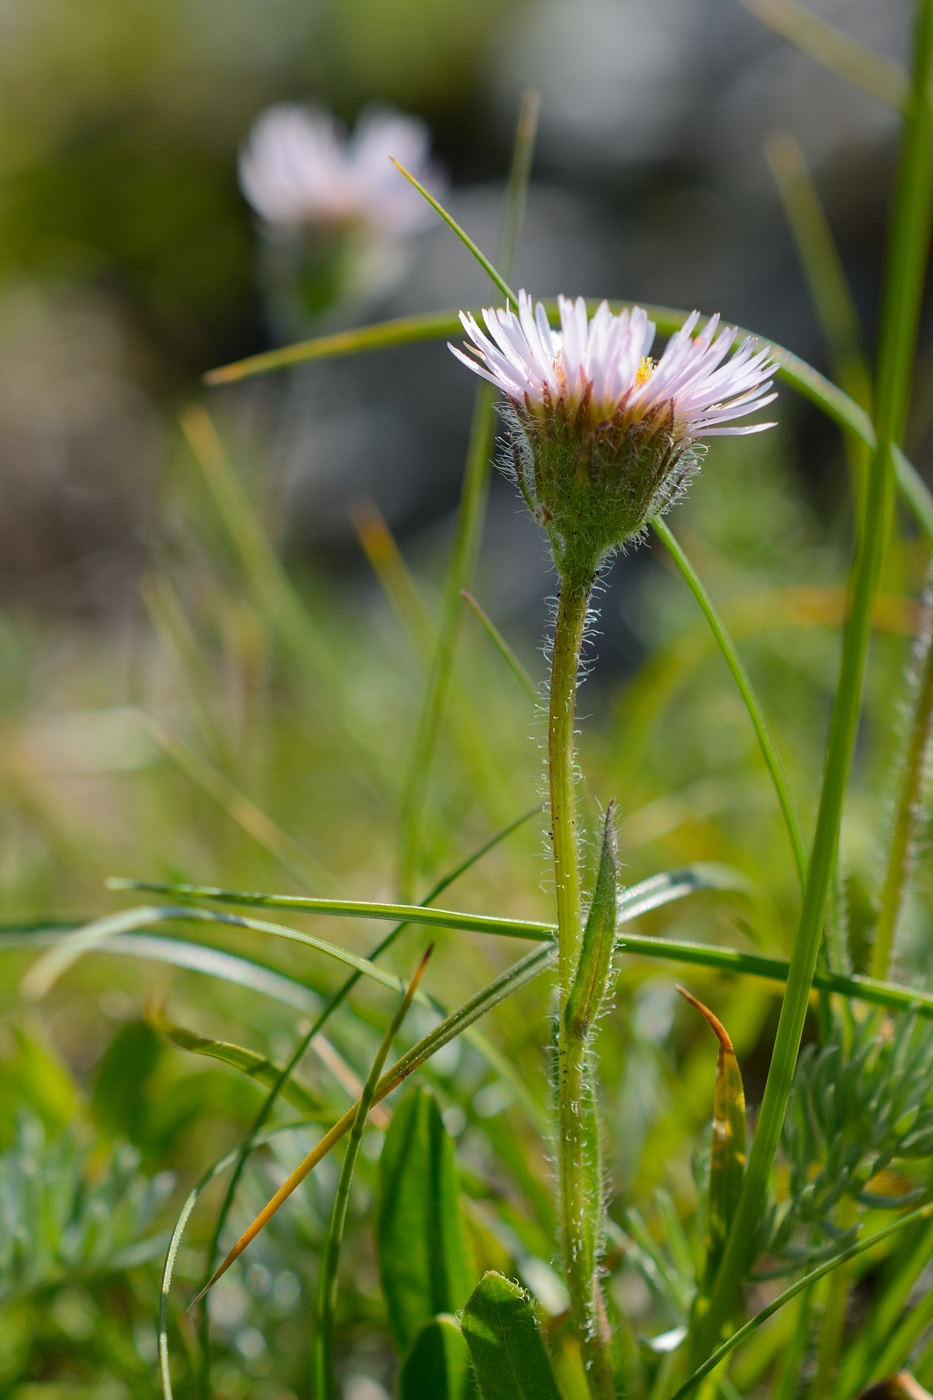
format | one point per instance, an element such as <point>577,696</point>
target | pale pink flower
<point>602,363</point>
<point>299,167</point>
<point>603,439</point>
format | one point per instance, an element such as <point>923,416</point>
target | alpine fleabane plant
<point>604,438</point>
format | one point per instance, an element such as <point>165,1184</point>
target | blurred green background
<point>163,716</point>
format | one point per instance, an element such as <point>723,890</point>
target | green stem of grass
<point>904,279</point>
<point>766,742</point>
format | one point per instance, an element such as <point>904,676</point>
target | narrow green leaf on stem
<point>438,1365</point>
<point>834,49</point>
<point>421,1247</point>
<point>905,271</point>
<point>470,517</point>
<point>325,1374</point>
<point>737,1338</point>
<point>766,743</point>
<point>908,802</point>
<point>509,1357</point>
<point>591,980</point>
<point>502,647</point>
<point>727,1164</point>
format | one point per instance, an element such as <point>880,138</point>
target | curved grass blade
<point>46,970</point>
<point>503,986</point>
<point>505,1343</point>
<point>766,743</point>
<point>248,1062</point>
<point>326,1388</point>
<point>871,71</point>
<point>727,1166</point>
<point>912,1218</point>
<point>502,647</point>
<point>195,957</point>
<point>652,893</point>
<point>471,514</point>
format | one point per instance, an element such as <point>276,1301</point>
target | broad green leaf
<point>727,1166</point>
<point>423,1258</point>
<point>507,1349</point>
<point>119,1101</point>
<point>248,1062</point>
<point>438,1365</point>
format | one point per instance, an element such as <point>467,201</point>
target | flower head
<point>298,167</point>
<point>605,438</point>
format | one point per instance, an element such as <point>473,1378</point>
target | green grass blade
<point>325,1374</point>
<point>502,647</point>
<point>464,237</point>
<point>914,1217</point>
<point>421,1247</point>
<point>248,1062</point>
<point>508,1352</point>
<point>769,749</point>
<point>861,65</point>
<point>904,278</point>
<point>470,517</point>
<point>859,1365</point>
<point>639,899</point>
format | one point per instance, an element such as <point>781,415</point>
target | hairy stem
<point>577,1124</point>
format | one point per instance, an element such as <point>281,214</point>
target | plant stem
<point>904,278</point>
<point>565,663</point>
<point>579,1167</point>
<point>907,811</point>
